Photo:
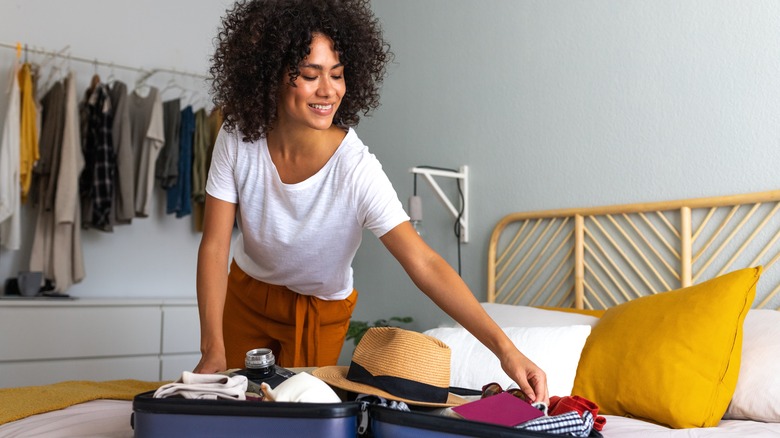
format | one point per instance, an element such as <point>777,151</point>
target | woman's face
<point>318,90</point>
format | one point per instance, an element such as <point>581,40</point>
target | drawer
<point>36,373</point>
<point>70,332</point>
<point>172,366</point>
<point>181,329</point>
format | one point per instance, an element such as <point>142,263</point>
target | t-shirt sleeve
<point>379,209</point>
<point>221,182</point>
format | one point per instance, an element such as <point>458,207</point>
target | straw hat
<point>397,364</point>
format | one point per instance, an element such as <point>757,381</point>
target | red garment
<point>561,405</point>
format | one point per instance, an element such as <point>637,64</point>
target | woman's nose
<point>326,87</point>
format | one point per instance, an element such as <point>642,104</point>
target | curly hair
<point>262,40</point>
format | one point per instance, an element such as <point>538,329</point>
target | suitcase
<point>171,417</point>
<point>390,423</point>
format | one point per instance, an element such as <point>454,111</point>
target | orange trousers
<point>301,330</point>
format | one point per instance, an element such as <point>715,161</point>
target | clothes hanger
<point>95,77</point>
<point>142,89</point>
<point>56,69</point>
<point>202,101</point>
<point>111,77</point>
<point>172,85</point>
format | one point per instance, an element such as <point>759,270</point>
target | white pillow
<point>507,315</point>
<point>757,396</point>
<point>555,349</point>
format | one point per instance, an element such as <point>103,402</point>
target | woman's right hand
<point>210,364</point>
<point>211,282</point>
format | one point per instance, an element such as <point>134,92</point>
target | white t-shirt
<point>305,235</point>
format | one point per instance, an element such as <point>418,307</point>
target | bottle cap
<point>259,358</point>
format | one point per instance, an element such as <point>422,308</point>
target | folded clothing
<point>205,386</point>
<point>302,388</point>
<point>561,405</point>
<point>569,423</point>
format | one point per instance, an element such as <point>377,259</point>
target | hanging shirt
<point>179,196</point>
<point>52,122</point>
<point>68,259</point>
<point>28,148</point>
<point>124,190</point>
<point>56,249</point>
<point>147,136</point>
<point>167,167</point>
<point>213,124</point>
<point>10,188</point>
<point>199,151</point>
<point>46,173</point>
<point>97,179</point>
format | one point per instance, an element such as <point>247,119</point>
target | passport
<point>504,409</point>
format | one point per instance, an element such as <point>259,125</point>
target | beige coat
<point>57,242</point>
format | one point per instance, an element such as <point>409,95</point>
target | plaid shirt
<point>97,179</point>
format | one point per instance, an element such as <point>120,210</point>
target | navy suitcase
<point>172,417</point>
<point>391,423</point>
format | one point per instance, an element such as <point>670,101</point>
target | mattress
<point>111,418</point>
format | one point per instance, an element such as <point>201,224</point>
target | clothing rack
<point>65,54</point>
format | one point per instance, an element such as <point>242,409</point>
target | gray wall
<point>558,104</point>
<point>550,103</point>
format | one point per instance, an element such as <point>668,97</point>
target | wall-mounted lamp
<point>460,214</point>
<point>415,214</point>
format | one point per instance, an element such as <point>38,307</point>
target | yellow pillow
<point>671,358</point>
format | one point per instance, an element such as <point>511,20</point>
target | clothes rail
<point>146,73</point>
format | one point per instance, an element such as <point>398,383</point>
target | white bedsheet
<point>621,427</point>
<point>99,418</point>
<point>111,418</point>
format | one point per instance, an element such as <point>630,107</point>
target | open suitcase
<point>171,417</point>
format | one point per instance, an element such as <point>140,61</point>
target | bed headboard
<point>595,258</point>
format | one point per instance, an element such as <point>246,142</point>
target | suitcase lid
<point>146,402</point>
<point>456,426</point>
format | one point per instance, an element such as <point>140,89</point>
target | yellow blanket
<point>21,402</point>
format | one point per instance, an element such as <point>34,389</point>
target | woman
<point>291,77</point>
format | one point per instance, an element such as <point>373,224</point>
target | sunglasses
<point>494,388</point>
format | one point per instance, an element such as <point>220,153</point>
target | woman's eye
<point>337,77</point>
<point>308,78</point>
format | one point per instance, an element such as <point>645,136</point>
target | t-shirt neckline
<point>312,179</point>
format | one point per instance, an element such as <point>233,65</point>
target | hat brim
<point>337,376</point>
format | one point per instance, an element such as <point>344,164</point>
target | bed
<point>571,288</point>
<point>665,314</point>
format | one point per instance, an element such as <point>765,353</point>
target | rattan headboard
<point>595,258</point>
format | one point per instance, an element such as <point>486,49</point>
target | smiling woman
<point>314,100</point>
<point>289,169</point>
<point>311,102</point>
<point>249,70</point>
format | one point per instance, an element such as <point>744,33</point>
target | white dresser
<point>48,341</point>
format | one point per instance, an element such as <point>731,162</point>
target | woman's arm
<point>434,276</point>
<point>213,253</point>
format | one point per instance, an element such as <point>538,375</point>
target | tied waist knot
<point>307,315</point>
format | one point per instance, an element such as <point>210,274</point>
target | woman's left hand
<point>436,278</point>
<point>528,376</point>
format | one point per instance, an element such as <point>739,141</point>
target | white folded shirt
<point>205,386</point>
<point>302,387</point>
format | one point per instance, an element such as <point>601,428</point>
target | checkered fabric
<point>570,424</point>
